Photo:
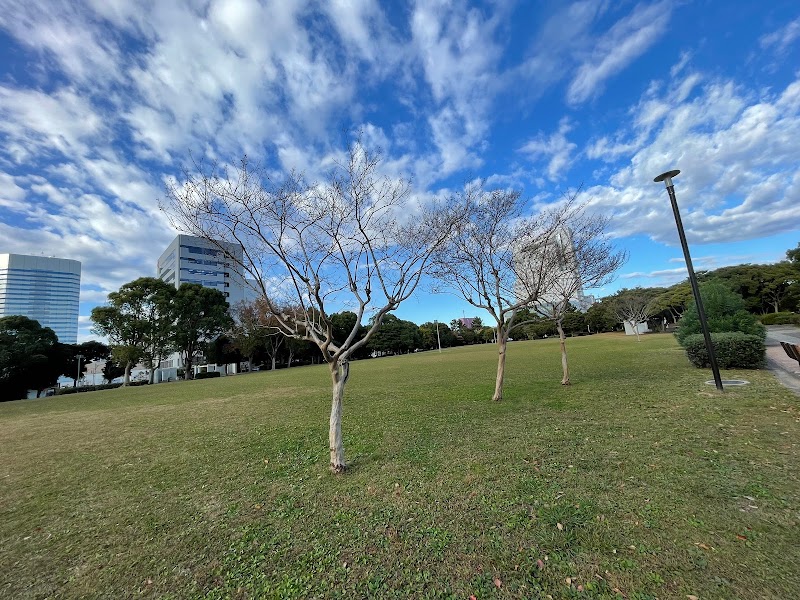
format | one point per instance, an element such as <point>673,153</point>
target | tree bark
<point>274,358</point>
<point>340,372</point>
<point>127,378</point>
<point>502,342</point>
<point>564,364</point>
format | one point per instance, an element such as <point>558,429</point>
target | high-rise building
<point>550,267</point>
<point>190,259</point>
<point>42,288</point>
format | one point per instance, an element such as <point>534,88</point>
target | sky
<point>101,101</point>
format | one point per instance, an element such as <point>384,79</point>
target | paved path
<point>787,370</point>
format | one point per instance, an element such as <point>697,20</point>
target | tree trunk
<point>289,360</point>
<point>564,365</point>
<point>340,372</point>
<point>502,342</point>
<point>274,358</point>
<point>635,326</point>
<point>127,378</point>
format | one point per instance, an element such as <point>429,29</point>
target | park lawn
<point>638,481</point>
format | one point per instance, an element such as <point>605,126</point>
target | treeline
<point>32,358</point>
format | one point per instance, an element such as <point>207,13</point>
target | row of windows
<point>199,250</point>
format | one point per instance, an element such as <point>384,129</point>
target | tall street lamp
<point>701,313</point>
<point>79,357</point>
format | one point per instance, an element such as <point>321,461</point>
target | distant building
<point>558,253</point>
<point>42,288</point>
<point>190,259</point>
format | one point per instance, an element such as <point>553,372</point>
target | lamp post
<point>79,357</point>
<point>438,339</point>
<point>701,313</point>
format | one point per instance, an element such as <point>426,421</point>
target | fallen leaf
<point>702,545</point>
<point>568,581</point>
<point>580,588</point>
<point>560,526</point>
<point>740,537</point>
<point>540,563</point>
<point>691,597</point>
<point>498,583</point>
<point>473,597</point>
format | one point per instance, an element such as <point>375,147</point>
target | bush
<point>780,318</point>
<point>734,350</point>
<point>208,375</point>
<point>725,312</point>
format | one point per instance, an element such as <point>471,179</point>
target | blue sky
<point>101,100</point>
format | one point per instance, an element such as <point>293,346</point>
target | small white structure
<point>641,327</point>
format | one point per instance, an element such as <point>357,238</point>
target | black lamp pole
<point>701,313</point>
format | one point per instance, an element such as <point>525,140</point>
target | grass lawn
<point>638,481</point>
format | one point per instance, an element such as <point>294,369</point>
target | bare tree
<point>481,260</point>
<point>582,258</point>
<point>633,307</point>
<point>354,242</point>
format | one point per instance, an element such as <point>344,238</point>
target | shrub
<point>208,375</point>
<point>87,388</point>
<point>780,318</point>
<point>725,312</point>
<point>734,350</point>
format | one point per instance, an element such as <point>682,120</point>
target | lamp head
<point>667,177</point>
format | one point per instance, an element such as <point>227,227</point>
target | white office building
<point>43,288</point>
<point>190,259</point>
<point>559,278</point>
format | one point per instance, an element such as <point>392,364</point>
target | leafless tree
<point>354,242</point>
<point>481,260</point>
<point>633,307</point>
<point>582,258</point>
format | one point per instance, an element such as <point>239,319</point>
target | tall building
<point>551,264</point>
<point>190,259</point>
<point>42,288</point>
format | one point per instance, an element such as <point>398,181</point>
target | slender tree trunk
<point>340,372</point>
<point>249,364</point>
<point>502,342</point>
<point>274,358</point>
<point>127,377</point>
<point>564,364</point>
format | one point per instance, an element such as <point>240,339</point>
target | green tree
<point>601,317</point>
<point>429,339</point>
<point>793,255</point>
<point>725,312</point>
<point>201,314</point>
<point>26,357</point>
<point>138,322</point>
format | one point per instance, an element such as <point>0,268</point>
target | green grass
<point>638,481</point>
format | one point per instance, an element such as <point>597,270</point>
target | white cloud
<point>781,39</point>
<point>628,39</point>
<point>554,147</point>
<point>738,153</point>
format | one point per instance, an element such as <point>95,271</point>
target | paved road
<point>786,369</point>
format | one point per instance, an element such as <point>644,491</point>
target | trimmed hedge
<point>780,318</point>
<point>734,350</point>
<point>95,388</point>
<point>208,375</point>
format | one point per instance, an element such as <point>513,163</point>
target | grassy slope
<point>638,480</point>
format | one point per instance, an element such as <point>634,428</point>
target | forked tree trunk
<point>340,372</point>
<point>274,358</point>
<point>564,364</point>
<point>502,342</point>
